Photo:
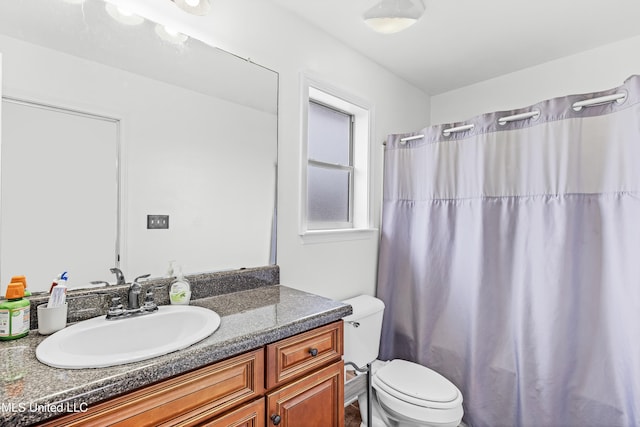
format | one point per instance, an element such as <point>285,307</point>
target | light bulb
<point>194,7</point>
<point>123,15</point>
<point>124,12</point>
<point>171,31</point>
<point>170,35</point>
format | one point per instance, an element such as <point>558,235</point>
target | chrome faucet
<point>118,311</point>
<point>134,292</point>
<point>119,276</point>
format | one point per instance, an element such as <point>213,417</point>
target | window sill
<point>329,236</point>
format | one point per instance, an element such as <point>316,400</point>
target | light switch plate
<point>157,222</point>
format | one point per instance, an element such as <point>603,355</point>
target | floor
<point>352,415</point>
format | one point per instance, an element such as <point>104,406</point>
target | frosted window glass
<point>329,135</point>
<point>328,195</point>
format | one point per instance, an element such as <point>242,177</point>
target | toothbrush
<point>58,296</point>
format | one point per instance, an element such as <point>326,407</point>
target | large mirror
<point>105,122</point>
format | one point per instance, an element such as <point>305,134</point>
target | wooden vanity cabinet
<point>304,377</point>
<point>294,382</point>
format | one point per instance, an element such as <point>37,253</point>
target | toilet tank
<point>362,330</point>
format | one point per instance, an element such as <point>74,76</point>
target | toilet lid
<point>417,382</point>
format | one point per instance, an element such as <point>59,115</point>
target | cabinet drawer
<point>293,357</point>
<point>211,390</point>
<point>248,415</point>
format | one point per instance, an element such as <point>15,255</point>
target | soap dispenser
<point>180,290</point>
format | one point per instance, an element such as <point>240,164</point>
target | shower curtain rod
<point>577,106</point>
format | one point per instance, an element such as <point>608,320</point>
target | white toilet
<point>405,394</point>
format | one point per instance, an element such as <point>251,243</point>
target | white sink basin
<point>98,342</point>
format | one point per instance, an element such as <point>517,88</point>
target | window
<point>330,168</point>
<point>335,167</point>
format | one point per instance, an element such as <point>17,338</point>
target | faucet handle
<point>100,282</point>
<point>116,308</point>
<point>144,276</point>
<point>149,302</point>
<point>115,303</point>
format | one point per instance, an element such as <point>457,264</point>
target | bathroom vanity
<point>297,381</point>
<point>275,360</point>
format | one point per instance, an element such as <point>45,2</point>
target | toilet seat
<point>416,395</point>
<point>409,414</point>
<point>417,385</point>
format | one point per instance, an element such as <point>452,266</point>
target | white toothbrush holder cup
<point>51,319</point>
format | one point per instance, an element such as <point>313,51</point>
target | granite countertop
<point>249,319</point>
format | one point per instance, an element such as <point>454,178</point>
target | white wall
<point>336,269</point>
<point>281,41</point>
<point>590,71</point>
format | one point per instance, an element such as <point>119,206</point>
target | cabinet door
<point>249,415</point>
<point>316,400</point>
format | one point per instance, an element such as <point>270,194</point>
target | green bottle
<point>14,313</point>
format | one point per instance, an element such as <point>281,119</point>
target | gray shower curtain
<point>510,261</point>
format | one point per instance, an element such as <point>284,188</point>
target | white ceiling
<point>461,42</point>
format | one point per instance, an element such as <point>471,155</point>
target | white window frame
<point>313,88</point>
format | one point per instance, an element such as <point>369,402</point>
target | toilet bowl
<point>405,394</point>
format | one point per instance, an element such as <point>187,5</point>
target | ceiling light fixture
<point>392,16</point>
<point>194,7</point>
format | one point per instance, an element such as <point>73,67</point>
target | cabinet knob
<point>275,419</point>
<point>313,352</point>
